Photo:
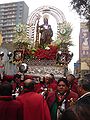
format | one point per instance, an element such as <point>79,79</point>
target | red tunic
<point>71,96</point>
<point>10,109</point>
<point>40,87</point>
<point>74,86</point>
<point>35,107</point>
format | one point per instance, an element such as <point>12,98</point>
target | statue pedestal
<point>42,67</point>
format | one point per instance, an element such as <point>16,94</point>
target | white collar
<point>84,95</point>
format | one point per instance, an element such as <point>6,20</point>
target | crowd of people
<point>67,98</point>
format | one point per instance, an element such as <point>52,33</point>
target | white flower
<point>47,48</point>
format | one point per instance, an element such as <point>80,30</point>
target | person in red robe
<point>9,109</point>
<point>46,86</point>
<point>53,78</point>
<point>81,109</point>
<point>73,82</point>
<point>61,99</point>
<point>34,105</point>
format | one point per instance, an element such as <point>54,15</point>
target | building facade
<point>84,48</point>
<point>12,14</point>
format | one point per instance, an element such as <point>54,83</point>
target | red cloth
<point>8,77</point>
<point>1,66</point>
<point>54,81</point>
<point>40,87</point>
<point>52,96</point>
<point>74,86</point>
<point>10,109</point>
<point>14,85</point>
<point>35,107</point>
<point>28,77</point>
<point>72,95</point>
<point>53,86</point>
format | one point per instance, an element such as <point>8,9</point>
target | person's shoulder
<point>17,103</point>
<point>84,100</point>
<point>69,114</point>
<point>51,94</point>
<point>22,95</point>
<point>29,95</point>
<point>73,94</point>
<point>37,95</point>
<point>19,97</point>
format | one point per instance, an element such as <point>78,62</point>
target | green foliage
<point>64,36</point>
<point>82,7</point>
<point>20,39</point>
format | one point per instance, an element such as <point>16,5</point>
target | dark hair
<point>29,85</point>
<point>73,77</point>
<point>17,76</point>
<point>64,80</point>
<point>85,82</point>
<point>52,75</point>
<point>5,89</point>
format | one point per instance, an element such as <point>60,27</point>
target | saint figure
<point>46,33</point>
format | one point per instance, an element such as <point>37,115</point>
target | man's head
<point>29,84</point>
<point>84,84</point>
<point>5,89</point>
<point>70,78</point>
<point>52,76</point>
<point>47,78</point>
<point>17,78</point>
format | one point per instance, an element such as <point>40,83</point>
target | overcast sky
<point>70,15</point>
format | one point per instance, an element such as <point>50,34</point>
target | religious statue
<point>46,33</point>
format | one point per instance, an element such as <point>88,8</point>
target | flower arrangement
<point>49,51</point>
<point>40,53</point>
<point>49,54</point>
<point>21,39</point>
<point>64,36</point>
